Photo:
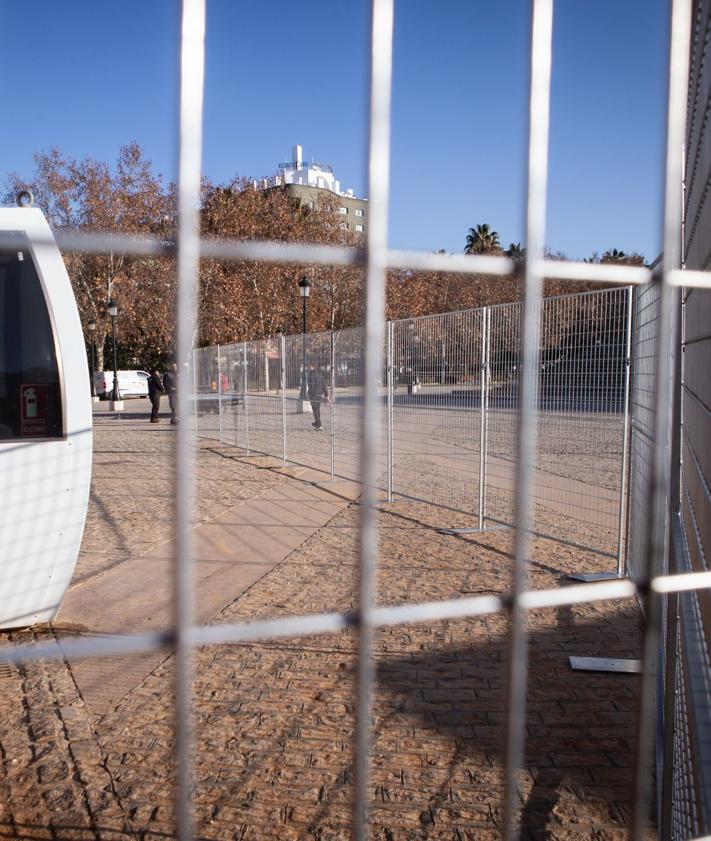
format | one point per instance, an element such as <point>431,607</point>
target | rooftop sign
<point>306,165</point>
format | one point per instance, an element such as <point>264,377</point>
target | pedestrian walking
<point>155,391</point>
<point>170,384</point>
<point>317,391</point>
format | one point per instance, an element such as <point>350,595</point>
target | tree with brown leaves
<point>89,195</point>
<point>247,300</point>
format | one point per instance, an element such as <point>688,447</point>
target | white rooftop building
<point>305,173</point>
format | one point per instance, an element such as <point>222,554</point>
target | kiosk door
<point>45,422</point>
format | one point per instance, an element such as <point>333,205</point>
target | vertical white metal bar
<point>621,562</point>
<point>282,375</point>
<point>376,253</point>
<point>332,406</point>
<point>389,419</point>
<point>245,386</point>
<point>195,397</point>
<point>658,511</point>
<point>192,66</point>
<point>265,357</point>
<point>483,315</point>
<point>487,387</point>
<point>539,103</point>
<point>683,206</point>
<point>219,389</point>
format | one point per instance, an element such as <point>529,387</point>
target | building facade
<point>314,185</point>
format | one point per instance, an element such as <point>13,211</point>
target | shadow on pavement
<point>580,725</point>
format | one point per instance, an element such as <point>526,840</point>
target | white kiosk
<point>45,422</point>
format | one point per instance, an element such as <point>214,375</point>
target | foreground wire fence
<point>646,339</point>
<point>448,405</point>
<point>246,372</point>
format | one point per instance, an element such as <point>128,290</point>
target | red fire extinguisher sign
<point>34,401</point>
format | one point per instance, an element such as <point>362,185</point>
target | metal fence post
<point>487,396</point>
<point>265,361</point>
<point>669,717</point>
<point>332,406</point>
<point>244,392</point>
<point>195,397</point>
<point>389,368</point>
<point>282,382</point>
<point>483,389</point>
<point>621,555</point>
<point>219,390</point>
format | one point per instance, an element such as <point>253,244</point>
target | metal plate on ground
<point>606,664</point>
<point>594,576</point>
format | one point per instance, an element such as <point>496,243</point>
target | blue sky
<point>94,76</point>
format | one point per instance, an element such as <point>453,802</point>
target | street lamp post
<point>304,291</point>
<point>116,402</point>
<point>92,334</point>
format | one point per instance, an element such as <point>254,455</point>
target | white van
<point>130,383</point>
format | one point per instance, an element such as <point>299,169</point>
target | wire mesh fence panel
<point>264,398</point>
<point>205,381</point>
<point>235,424</point>
<point>347,407</point>
<point>583,347</point>
<point>691,757</point>
<point>308,407</point>
<point>645,338</point>
<point>503,367</point>
<point>436,408</point>
<point>683,745</point>
<point>686,807</point>
<point>452,409</point>
<point>347,401</point>
<point>579,407</point>
<point>582,379</point>
<point>685,812</point>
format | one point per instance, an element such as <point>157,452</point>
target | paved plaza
<point>86,746</point>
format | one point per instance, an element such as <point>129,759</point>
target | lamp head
<point>112,309</point>
<point>304,287</point>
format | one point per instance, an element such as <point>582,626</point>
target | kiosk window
<point>30,396</point>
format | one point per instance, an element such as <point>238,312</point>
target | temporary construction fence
<point>448,410</point>
<point>370,387</point>
<point>645,340</point>
<point>682,619</point>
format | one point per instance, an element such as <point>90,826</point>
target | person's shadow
<point>580,733</point>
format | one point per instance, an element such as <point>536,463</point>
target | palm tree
<point>482,240</point>
<point>623,257</point>
<point>515,251</point>
<point>614,256</point>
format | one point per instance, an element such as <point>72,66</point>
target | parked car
<point>130,383</point>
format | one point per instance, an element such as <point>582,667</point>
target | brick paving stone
<point>275,719</point>
<point>53,779</point>
<point>235,542</point>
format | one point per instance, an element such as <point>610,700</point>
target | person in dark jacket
<point>317,393</point>
<point>155,392</point>
<point>170,384</point>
